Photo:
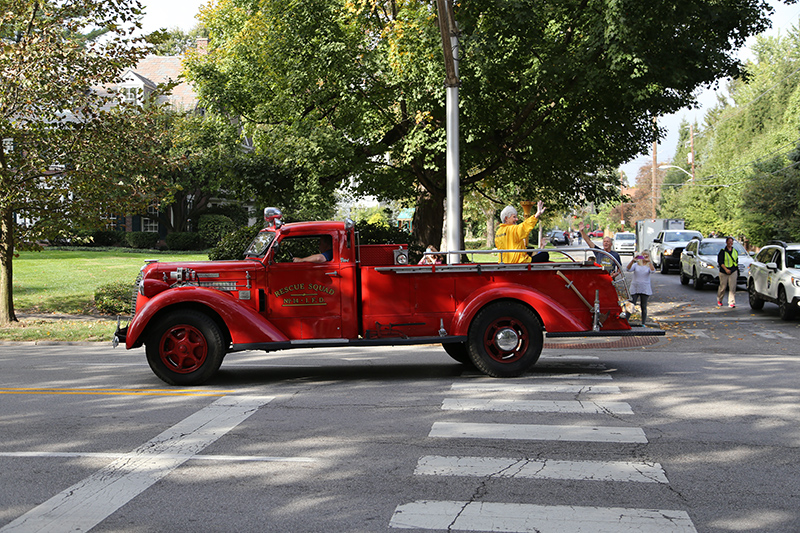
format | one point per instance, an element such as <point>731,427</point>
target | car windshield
<point>625,236</point>
<point>259,244</point>
<point>792,258</point>
<point>680,236</point>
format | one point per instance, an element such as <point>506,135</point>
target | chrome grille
<point>135,293</point>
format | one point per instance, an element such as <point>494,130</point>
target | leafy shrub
<point>237,213</point>
<point>113,298</point>
<point>141,239</point>
<point>108,238</point>
<point>233,245</point>
<point>214,227</point>
<point>380,234</point>
<point>184,240</point>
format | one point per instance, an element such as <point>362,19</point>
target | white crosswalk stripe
<point>536,406</point>
<point>515,517</point>
<point>494,386</point>
<point>459,430</point>
<point>506,467</point>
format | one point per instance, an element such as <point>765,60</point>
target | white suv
<point>625,243</point>
<point>699,262</point>
<point>775,277</point>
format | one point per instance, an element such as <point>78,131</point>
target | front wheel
<point>755,301</point>
<point>785,309</point>
<point>185,348</point>
<point>664,267</point>
<point>505,339</point>
<point>698,282</point>
<point>684,278</point>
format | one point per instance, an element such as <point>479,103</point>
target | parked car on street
<point>596,233</point>
<point>559,238</point>
<point>775,277</point>
<point>624,242</point>
<point>699,262</point>
<point>666,249</point>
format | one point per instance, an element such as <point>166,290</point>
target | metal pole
<point>449,33</point>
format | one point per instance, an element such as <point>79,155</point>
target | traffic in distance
<point>770,274</point>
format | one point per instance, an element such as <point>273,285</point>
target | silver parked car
<point>699,262</point>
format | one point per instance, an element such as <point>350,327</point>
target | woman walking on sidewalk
<point>641,266</point>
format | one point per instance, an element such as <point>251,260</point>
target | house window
<point>150,222</point>
<point>130,95</point>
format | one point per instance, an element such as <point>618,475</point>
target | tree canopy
<point>553,93</point>
<point>70,155</point>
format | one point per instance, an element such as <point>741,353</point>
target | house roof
<point>162,69</point>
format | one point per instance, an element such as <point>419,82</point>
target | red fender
<point>244,323</point>
<point>555,317</point>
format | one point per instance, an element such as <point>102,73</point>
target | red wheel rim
<point>183,349</point>
<point>505,355</point>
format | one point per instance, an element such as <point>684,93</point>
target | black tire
<point>519,326</point>
<point>664,266</point>
<point>755,302</point>
<point>784,307</point>
<point>185,348</point>
<point>698,283</point>
<point>684,278</point>
<point>458,351</point>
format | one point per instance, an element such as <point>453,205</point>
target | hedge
<point>184,240</point>
<point>114,298</point>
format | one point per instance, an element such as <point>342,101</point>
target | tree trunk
<point>6,272</point>
<point>490,226</point>
<point>429,218</point>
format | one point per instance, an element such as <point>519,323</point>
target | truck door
<point>304,299</point>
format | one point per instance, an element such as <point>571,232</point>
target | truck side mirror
<point>657,240</point>
<point>772,266</point>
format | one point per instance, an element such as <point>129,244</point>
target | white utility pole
<point>447,26</point>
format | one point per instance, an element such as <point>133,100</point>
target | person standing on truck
<point>513,236</point>
<point>325,252</point>
<point>603,259</point>
<point>641,266</point>
<point>728,261</point>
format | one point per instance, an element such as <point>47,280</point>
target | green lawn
<point>64,281</point>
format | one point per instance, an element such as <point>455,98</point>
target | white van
<point>624,243</point>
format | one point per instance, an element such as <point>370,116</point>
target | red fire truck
<point>493,315</point>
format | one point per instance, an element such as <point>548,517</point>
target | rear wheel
<point>784,307</point>
<point>458,351</point>
<point>505,339</point>
<point>185,348</point>
<point>755,302</point>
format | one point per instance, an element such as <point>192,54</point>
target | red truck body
<point>189,315</point>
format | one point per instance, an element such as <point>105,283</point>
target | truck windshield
<point>260,244</point>
<point>681,236</point>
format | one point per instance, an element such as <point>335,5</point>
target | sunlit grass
<point>61,330</point>
<point>64,281</point>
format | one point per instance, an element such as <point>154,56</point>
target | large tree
<point>70,156</point>
<point>554,92</point>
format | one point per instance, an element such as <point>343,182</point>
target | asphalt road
<point>696,432</point>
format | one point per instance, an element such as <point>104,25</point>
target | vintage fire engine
<point>493,315</point>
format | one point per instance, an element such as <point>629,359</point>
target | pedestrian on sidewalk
<point>641,266</point>
<point>728,261</point>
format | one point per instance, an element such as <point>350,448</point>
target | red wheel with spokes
<point>505,339</point>
<point>185,348</point>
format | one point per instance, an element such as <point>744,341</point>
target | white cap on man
<point>507,212</point>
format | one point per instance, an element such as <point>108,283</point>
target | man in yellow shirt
<point>513,236</point>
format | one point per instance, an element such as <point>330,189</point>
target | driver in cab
<point>325,252</point>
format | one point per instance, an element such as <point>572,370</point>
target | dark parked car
<point>559,237</point>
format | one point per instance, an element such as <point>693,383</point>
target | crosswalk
<point>540,395</point>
